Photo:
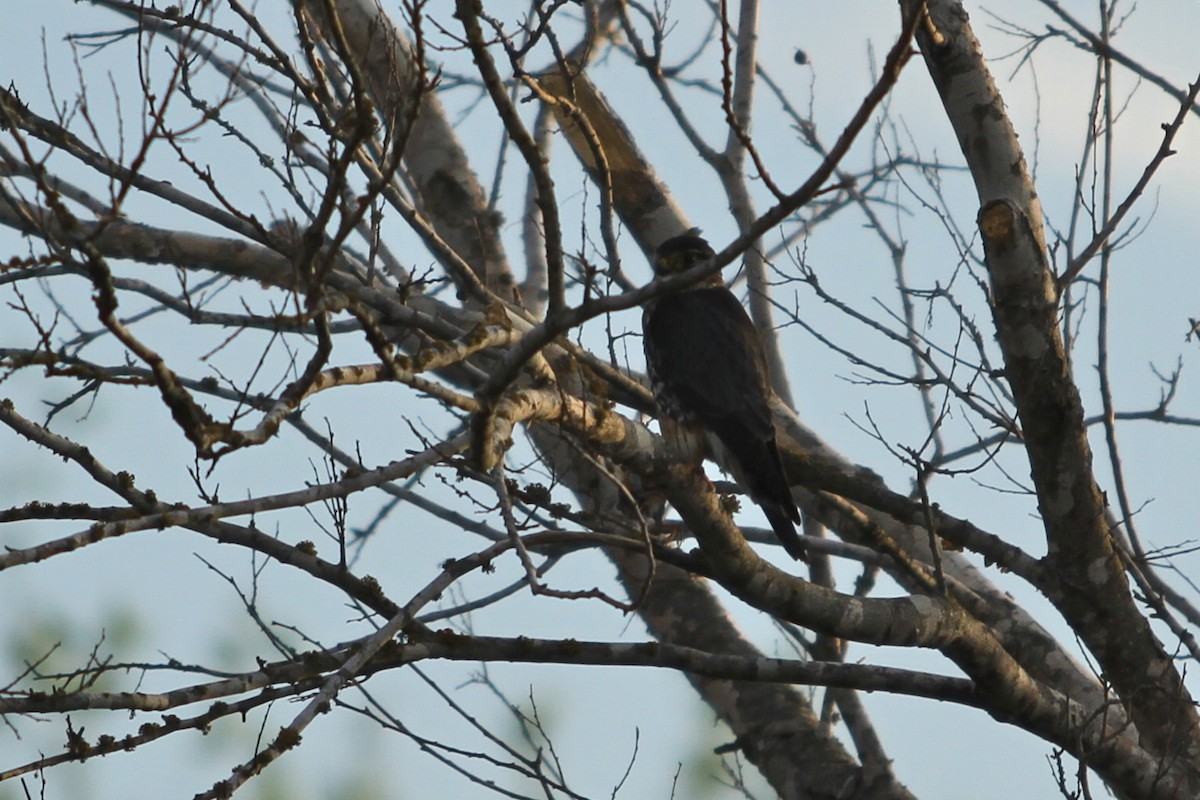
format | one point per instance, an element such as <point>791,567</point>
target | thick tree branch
<point>1088,585</point>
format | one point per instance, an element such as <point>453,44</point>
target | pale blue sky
<point>176,605</point>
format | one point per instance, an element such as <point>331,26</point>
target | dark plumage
<point>708,371</point>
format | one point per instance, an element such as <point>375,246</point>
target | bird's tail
<point>782,522</point>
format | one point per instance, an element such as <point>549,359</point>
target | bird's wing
<point>706,360</point>
<point>706,357</point>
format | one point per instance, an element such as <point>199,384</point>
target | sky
<point>165,593</point>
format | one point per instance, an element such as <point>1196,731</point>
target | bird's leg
<point>686,445</point>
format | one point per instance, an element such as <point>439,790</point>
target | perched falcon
<point>708,371</point>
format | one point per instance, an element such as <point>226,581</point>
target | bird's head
<point>680,253</point>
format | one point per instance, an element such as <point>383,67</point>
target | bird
<point>708,371</point>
